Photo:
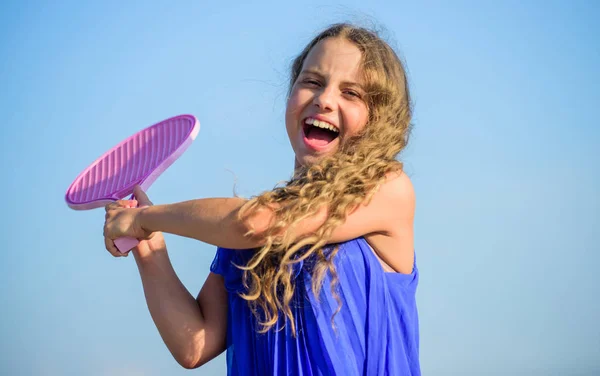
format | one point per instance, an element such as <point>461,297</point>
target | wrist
<point>142,219</point>
<point>148,255</point>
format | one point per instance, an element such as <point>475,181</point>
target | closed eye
<point>312,82</point>
<point>352,93</point>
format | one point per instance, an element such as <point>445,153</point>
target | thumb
<point>141,196</point>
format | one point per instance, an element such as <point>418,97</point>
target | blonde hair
<point>339,183</point>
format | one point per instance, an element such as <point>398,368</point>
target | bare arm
<point>215,220</point>
<point>194,330</point>
<point>211,220</point>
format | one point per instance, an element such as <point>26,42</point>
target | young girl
<point>316,277</point>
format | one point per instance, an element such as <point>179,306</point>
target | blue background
<point>504,158</point>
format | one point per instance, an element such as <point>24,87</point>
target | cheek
<point>289,112</point>
<point>296,103</point>
<point>292,103</point>
<point>357,118</point>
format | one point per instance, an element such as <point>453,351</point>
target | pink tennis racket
<point>138,160</point>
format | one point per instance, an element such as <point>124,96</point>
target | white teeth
<point>321,124</point>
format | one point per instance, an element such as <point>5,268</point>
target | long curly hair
<point>337,184</point>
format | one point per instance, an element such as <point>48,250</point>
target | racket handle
<point>127,243</point>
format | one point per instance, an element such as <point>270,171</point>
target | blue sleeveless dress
<point>375,333</point>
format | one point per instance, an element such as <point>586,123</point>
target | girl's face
<point>325,106</point>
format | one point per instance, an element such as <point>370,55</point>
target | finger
<point>121,204</point>
<point>126,204</point>
<point>130,204</point>
<point>115,205</point>
<point>141,196</point>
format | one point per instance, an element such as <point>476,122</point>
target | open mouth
<point>319,134</point>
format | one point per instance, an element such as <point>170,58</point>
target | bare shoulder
<point>400,181</point>
<point>397,195</point>
<point>396,203</point>
<point>386,219</point>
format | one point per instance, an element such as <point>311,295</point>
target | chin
<point>308,160</point>
<point>305,156</point>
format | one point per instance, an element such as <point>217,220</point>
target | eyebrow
<point>320,74</point>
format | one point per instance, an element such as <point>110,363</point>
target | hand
<point>122,219</point>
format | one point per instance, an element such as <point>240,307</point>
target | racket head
<point>137,160</point>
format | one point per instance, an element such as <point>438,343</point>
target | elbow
<point>193,362</point>
<point>189,356</point>
<point>196,355</point>
<point>189,365</point>
<point>190,362</point>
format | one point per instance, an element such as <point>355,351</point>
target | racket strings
<point>132,160</point>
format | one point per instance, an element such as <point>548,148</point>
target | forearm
<point>174,310</point>
<point>211,220</point>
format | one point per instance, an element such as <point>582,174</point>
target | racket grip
<point>126,244</point>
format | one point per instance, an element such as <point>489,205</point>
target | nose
<point>324,99</point>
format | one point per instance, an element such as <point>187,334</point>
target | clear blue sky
<point>504,158</point>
